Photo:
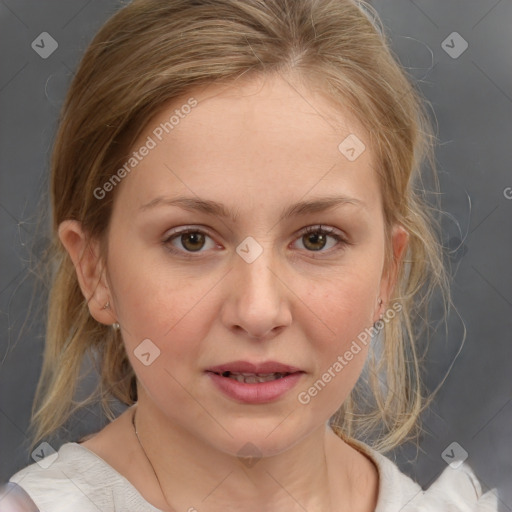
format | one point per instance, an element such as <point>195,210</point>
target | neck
<point>191,474</point>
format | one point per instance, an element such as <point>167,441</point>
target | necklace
<point>146,455</point>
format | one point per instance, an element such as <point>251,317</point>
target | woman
<point>241,246</point>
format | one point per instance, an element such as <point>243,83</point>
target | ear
<point>399,241</point>
<point>86,257</point>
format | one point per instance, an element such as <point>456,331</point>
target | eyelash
<point>318,229</point>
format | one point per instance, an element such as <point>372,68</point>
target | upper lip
<point>248,367</point>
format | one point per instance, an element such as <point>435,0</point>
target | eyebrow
<point>213,208</point>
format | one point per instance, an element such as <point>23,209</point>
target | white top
<point>78,480</point>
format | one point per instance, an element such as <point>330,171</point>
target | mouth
<point>247,368</point>
<point>253,378</point>
<point>254,383</point>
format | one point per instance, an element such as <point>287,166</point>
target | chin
<point>261,438</point>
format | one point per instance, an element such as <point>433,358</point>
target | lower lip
<point>258,392</point>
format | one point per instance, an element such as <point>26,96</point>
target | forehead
<point>263,139</point>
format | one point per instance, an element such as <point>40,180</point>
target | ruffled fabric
<point>80,481</point>
<point>455,490</point>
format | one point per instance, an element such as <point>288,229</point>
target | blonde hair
<point>152,51</point>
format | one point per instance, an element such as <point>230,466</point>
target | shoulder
<point>459,489</point>
<point>456,490</point>
<point>77,479</point>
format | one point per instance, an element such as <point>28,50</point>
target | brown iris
<point>315,238</point>
<point>196,240</point>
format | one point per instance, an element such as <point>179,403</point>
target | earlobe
<point>86,257</point>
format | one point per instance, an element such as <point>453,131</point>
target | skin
<point>256,147</point>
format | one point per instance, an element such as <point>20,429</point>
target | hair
<point>151,52</point>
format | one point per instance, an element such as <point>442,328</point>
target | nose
<point>258,298</point>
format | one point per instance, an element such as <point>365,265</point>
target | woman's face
<point>250,286</point>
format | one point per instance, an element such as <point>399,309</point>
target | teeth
<point>252,374</point>
<point>253,378</point>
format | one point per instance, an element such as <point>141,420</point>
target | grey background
<point>471,98</point>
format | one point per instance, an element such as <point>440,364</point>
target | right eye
<point>187,241</point>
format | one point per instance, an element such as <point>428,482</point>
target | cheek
<point>151,302</point>
<point>344,306</point>
<point>170,312</point>
<point>340,318</point>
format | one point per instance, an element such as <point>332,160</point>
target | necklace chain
<point>146,455</point>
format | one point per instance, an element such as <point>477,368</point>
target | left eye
<point>314,239</point>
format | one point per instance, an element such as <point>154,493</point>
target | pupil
<point>316,237</point>
<point>197,241</point>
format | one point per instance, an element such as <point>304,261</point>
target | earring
<point>115,325</point>
<point>381,316</point>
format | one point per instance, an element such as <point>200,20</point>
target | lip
<point>255,393</point>
<point>248,367</point>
